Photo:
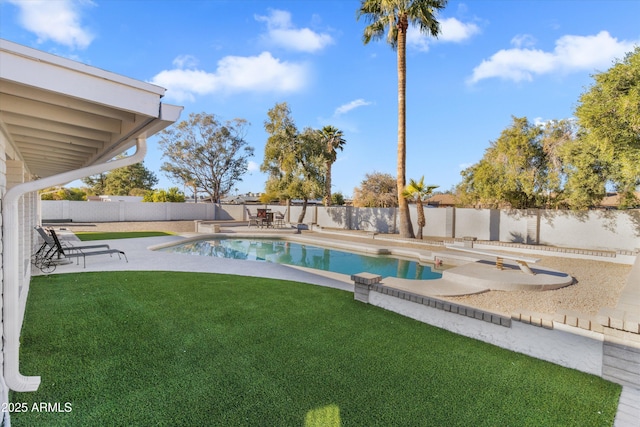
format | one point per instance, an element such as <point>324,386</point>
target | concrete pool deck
<point>141,258</point>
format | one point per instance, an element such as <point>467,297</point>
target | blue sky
<point>238,58</point>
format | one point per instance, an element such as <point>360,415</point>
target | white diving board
<point>521,261</point>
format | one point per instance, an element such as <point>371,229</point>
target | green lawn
<point>185,349</point>
<point>95,235</point>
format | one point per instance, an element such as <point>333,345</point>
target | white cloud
<point>523,40</point>
<point>571,53</point>
<point>58,21</point>
<point>455,31</point>
<point>253,166</point>
<point>350,106</point>
<point>185,61</point>
<point>451,31</point>
<point>281,32</point>
<point>262,73</point>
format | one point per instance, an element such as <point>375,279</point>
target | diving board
<point>522,262</point>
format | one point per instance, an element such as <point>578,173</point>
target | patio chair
<point>253,219</point>
<point>46,256</point>
<point>279,218</point>
<point>81,252</point>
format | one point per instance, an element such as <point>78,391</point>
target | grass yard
<point>186,349</point>
<point>97,235</point>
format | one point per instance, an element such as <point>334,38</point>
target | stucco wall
<point>478,223</point>
<point>437,220</point>
<point>593,229</point>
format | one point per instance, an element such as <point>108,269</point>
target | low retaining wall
<point>606,345</point>
<point>567,346</point>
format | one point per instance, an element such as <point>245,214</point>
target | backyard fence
<point>596,230</point>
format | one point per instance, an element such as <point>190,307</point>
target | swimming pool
<point>304,255</point>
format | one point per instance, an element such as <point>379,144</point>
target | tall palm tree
<point>394,17</point>
<point>334,141</point>
<point>416,190</point>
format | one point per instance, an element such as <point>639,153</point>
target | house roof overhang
<point>60,115</point>
<point>63,120</point>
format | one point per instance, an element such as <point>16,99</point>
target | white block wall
<point>591,229</point>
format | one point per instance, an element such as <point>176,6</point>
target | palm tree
<point>394,17</point>
<point>334,141</point>
<point>418,191</point>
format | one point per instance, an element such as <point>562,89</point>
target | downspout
<point>13,309</point>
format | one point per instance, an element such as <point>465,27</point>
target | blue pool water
<point>284,252</point>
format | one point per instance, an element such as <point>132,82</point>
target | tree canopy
<point>130,180</point>
<point>607,150</point>
<point>567,163</point>
<point>513,170</point>
<point>333,140</point>
<point>172,195</point>
<point>418,191</point>
<point>294,161</point>
<point>207,154</point>
<point>377,190</point>
<point>63,193</point>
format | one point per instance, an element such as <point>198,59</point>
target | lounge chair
<point>81,252</point>
<point>49,244</point>
<point>47,255</point>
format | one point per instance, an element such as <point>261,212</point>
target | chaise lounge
<point>80,251</point>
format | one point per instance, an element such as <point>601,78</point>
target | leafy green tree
<point>172,195</point>
<point>294,161</point>
<point>209,155</point>
<point>129,180</point>
<point>377,190</point>
<point>556,136</point>
<point>333,140</point>
<point>418,191</point>
<point>392,18</point>
<point>63,193</point>
<point>607,150</point>
<point>95,184</point>
<point>337,199</point>
<point>513,170</point>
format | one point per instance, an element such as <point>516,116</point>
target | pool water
<point>303,255</point>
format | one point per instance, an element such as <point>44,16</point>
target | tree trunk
<point>406,229</point>
<point>421,219</point>
<point>304,211</point>
<point>327,185</point>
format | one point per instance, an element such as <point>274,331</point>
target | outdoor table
<point>266,217</point>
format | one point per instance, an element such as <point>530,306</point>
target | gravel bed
<point>597,284</point>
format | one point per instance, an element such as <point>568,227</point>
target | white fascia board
<point>39,69</point>
<point>167,115</point>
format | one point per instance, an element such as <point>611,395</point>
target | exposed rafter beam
<point>35,109</point>
<point>84,134</point>
<point>58,100</point>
